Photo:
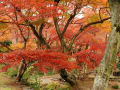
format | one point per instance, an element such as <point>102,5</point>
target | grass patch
<point>12,72</point>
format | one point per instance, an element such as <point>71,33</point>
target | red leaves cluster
<point>29,10</point>
<point>43,59</point>
<point>92,56</point>
<point>46,60</point>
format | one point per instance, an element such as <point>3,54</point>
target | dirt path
<point>7,83</point>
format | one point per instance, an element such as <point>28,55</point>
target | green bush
<point>55,86</point>
<point>27,74</point>
<point>115,87</point>
<point>12,72</point>
<point>36,84</point>
<point>51,86</point>
<point>51,72</point>
<point>40,73</point>
<point>118,64</point>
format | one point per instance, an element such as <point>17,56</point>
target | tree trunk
<point>113,45</point>
<point>21,70</point>
<point>66,77</point>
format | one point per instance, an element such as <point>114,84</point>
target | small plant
<point>115,86</point>
<point>51,72</point>
<point>55,86</point>
<point>40,73</point>
<point>36,84</point>
<point>118,64</point>
<point>27,73</point>
<point>12,72</point>
<point>51,86</point>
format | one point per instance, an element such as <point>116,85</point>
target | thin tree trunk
<point>21,70</point>
<point>113,45</point>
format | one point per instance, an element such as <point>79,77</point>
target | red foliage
<point>91,56</point>
<point>44,60</point>
<point>35,11</point>
<point>30,8</point>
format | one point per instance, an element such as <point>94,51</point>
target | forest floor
<point>7,83</point>
<point>85,84</point>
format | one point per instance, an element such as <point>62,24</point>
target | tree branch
<point>57,27</point>
<point>6,46</point>
<point>63,44</point>
<point>40,38</point>
<point>69,20</point>
<point>84,27</point>
<point>41,28</point>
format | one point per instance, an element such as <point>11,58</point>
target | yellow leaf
<point>38,22</point>
<point>3,26</point>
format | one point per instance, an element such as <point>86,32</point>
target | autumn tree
<point>28,17</point>
<point>83,26</point>
<point>63,24</point>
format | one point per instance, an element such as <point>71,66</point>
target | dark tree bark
<point>113,45</point>
<point>66,77</point>
<point>57,1</point>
